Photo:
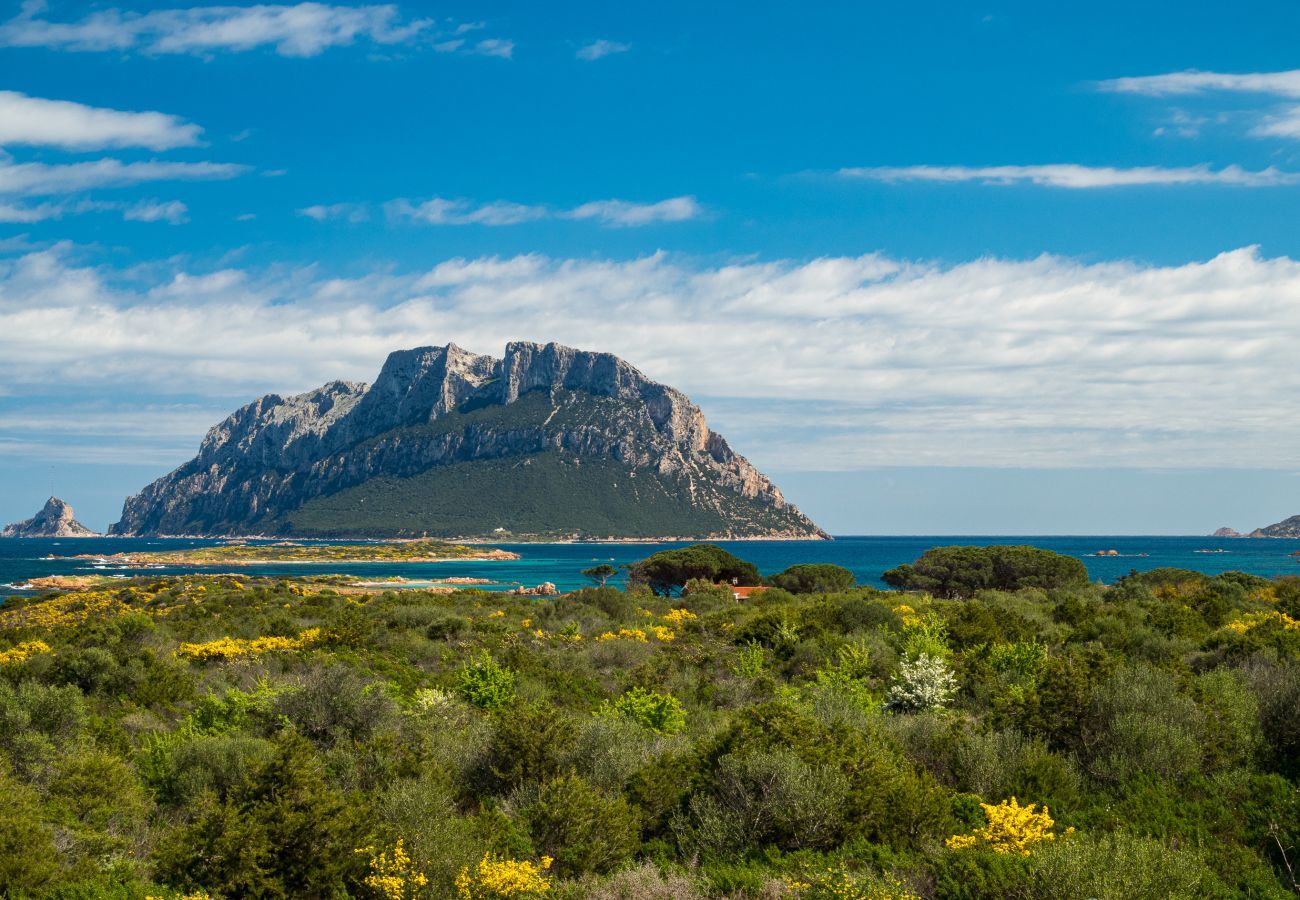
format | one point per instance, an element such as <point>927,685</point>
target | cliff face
<point>54,520</point>
<point>275,461</point>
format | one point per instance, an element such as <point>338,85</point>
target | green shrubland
<point>1009,731</point>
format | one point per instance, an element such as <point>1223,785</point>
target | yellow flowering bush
<point>393,876</point>
<point>495,877</point>
<point>625,634</point>
<point>664,633</point>
<point>23,652</point>
<point>1011,828</point>
<point>678,617</point>
<point>1251,621</point>
<point>843,885</point>
<point>232,648</point>
<point>66,610</point>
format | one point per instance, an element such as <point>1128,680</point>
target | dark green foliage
<point>284,831</point>
<point>600,574</point>
<point>667,571</point>
<point>962,571</point>
<point>814,578</point>
<point>583,829</point>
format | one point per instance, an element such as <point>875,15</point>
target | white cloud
<point>75,126</point>
<point>1280,121</point>
<point>619,213</point>
<point>304,29</point>
<point>1192,81</point>
<point>601,48</point>
<point>1078,177</point>
<point>495,47</point>
<point>870,360</point>
<point>349,212</point>
<point>625,213</point>
<point>36,179</point>
<point>173,212</point>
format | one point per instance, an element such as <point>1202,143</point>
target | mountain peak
<point>552,439</point>
<point>54,520</point>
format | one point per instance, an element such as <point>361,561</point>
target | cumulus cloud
<point>1282,120</point>
<point>304,29</point>
<point>37,178</point>
<point>349,212</point>
<point>838,362</point>
<point>1078,177</point>
<point>75,126</point>
<point>600,49</point>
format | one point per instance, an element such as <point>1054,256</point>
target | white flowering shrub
<point>922,683</point>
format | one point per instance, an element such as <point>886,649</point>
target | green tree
<point>814,578</point>
<point>962,571</point>
<point>667,571</point>
<point>600,574</point>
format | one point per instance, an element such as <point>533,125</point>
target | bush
<point>661,713</point>
<point>333,703</point>
<point>1142,725</point>
<point>766,798</point>
<point>582,828</point>
<point>923,683</point>
<point>1115,867</point>
<point>485,684</point>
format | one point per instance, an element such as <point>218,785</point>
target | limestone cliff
<point>54,520</point>
<point>547,440</point>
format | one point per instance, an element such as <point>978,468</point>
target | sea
<point>561,564</point>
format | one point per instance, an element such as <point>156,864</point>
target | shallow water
<point>562,564</point>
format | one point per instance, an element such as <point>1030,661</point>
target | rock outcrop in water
<point>54,520</point>
<point>545,441</point>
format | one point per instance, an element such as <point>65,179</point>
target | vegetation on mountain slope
<point>271,737</point>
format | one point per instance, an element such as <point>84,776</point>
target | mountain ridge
<point>431,408</point>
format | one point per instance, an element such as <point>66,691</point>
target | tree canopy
<point>667,571</point>
<point>813,578</point>
<point>962,571</point>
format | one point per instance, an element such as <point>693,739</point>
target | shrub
<point>1117,866</point>
<point>333,703</point>
<point>922,683</point>
<point>1142,725</point>
<point>1010,828</point>
<point>582,828</point>
<point>529,744</point>
<point>661,713</point>
<point>485,684</point>
<point>762,798</point>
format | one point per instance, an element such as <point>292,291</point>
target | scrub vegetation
<point>1003,730</point>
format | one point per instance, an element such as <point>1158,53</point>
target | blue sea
<point>562,564</point>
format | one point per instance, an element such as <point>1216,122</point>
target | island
<point>422,551</point>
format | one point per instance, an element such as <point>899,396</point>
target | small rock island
<point>54,520</point>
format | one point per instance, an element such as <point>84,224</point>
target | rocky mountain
<point>1287,528</point>
<point>54,520</point>
<point>546,441</point>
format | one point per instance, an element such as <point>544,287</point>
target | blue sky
<point>938,267</point>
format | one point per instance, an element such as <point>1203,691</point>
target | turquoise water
<point>562,564</point>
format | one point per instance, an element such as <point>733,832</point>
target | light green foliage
<point>661,713</point>
<point>485,684</point>
<point>751,659</point>
<point>925,635</point>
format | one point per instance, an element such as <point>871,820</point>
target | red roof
<point>743,591</point>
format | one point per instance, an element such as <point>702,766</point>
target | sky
<point>937,268</point>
